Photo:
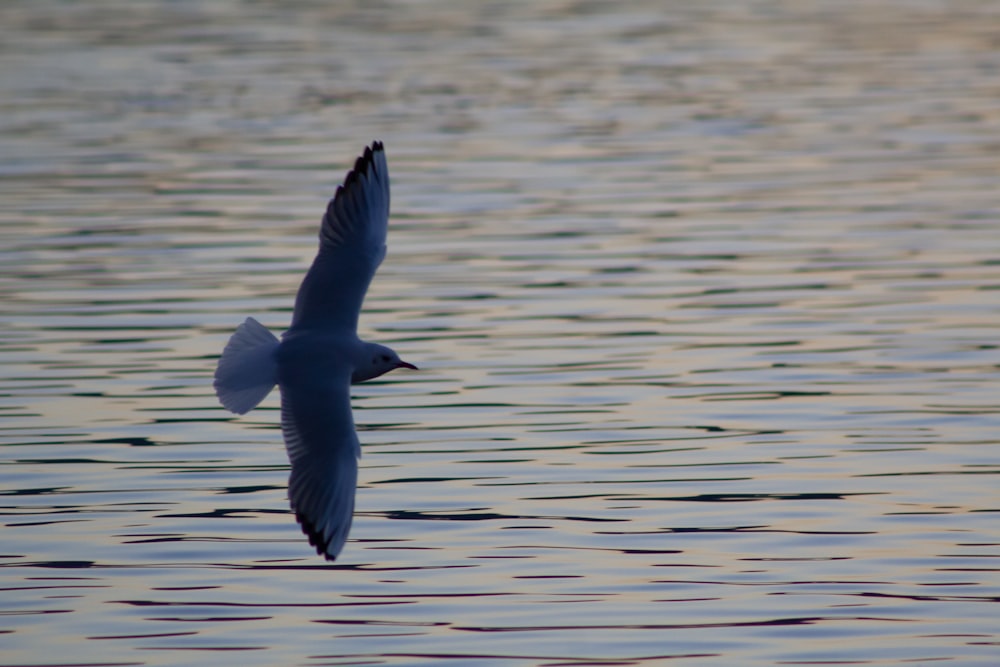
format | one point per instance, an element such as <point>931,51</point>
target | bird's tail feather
<point>247,370</point>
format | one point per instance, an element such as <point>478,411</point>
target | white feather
<point>247,370</point>
<point>323,448</point>
<point>351,247</point>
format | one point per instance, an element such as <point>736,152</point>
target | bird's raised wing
<point>351,247</point>
<point>323,447</point>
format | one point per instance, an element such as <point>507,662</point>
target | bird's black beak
<point>404,364</point>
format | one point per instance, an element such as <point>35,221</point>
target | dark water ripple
<point>705,299</point>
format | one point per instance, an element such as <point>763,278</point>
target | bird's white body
<point>320,356</point>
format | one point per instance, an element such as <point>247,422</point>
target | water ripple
<point>704,303</point>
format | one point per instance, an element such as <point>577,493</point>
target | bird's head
<point>377,360</point>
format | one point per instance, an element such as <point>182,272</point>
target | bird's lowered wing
<point>351,247</point>
<point>323,447</point>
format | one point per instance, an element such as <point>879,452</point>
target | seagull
<point>321,356</point>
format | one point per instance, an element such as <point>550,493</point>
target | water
<point>705,295</point>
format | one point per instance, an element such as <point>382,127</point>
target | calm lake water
<point>705,298</point>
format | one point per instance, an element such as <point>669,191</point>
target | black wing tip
<point>365,161</point>
<point>316,539</point>
<point>366,164</point>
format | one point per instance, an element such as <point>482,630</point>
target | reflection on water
<point>706,299</point>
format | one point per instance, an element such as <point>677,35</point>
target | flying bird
<point>321,356</point>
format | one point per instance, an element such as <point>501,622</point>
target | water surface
<point>704,295</point>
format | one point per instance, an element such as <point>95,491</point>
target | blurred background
<point>704,297</point>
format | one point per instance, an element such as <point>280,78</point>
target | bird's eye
<point>385,357</point>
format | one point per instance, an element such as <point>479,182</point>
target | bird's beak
<point>404,364</point>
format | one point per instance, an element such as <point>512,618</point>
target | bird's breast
<point>304,359</point>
